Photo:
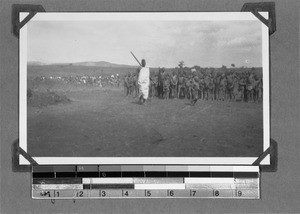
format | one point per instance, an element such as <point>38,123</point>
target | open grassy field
<point>88,121</point>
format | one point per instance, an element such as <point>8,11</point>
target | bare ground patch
<point>104,123</point>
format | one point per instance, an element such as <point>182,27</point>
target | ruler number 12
<point>79,194</point>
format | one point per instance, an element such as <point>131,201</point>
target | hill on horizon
<point>102,64</point>
<point>105,64</point>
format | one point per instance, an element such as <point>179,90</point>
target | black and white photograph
<point>149,106</point>
<point>150,87</point>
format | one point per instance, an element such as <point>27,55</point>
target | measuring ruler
<point>136,181</point>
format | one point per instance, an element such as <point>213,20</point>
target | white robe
<point>143,82</point>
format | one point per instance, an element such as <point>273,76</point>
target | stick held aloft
<point>136,58</point>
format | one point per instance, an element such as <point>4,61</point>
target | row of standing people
<point>233,86</point>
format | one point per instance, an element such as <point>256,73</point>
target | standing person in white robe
<point>143,82</point>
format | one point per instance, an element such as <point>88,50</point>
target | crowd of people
<point>230,85</point>
<point>112,80</point>
<point>192,84</point>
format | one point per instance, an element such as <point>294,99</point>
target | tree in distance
<point>181,64</point>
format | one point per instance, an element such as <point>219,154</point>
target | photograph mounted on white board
<point>151,86</point>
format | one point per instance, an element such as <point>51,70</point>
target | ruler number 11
<point>56,194</point>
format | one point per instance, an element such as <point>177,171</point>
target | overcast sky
<point>161,43</point>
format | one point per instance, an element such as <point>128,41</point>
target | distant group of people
<point>112,80</point>
<point>230,85</point>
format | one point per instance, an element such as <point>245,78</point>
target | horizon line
<point>70,63</point>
